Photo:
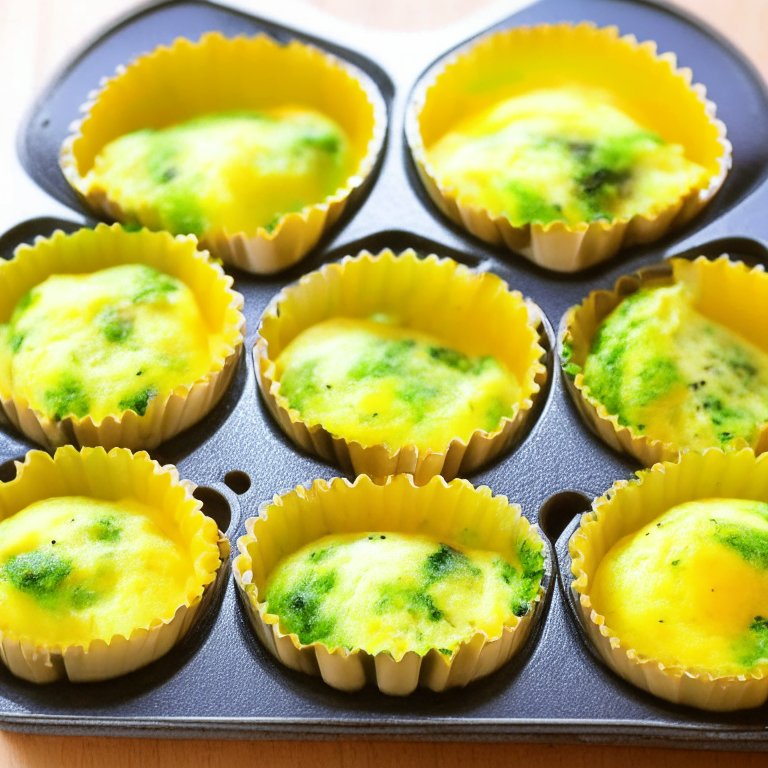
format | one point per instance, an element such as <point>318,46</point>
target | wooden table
<point>35,37</point>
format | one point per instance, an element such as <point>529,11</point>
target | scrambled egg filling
<point>233,171</point>
<point>561,154</point>
<point>104,343</point>
<point>691,587</point>
<point>377,383</point>
<point>669,372</point>
<point>75,569</point>
<point>391,592</point>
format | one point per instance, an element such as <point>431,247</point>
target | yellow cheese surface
<point>396,592</point>
<point>234,171</point>
<point>561,154</point>
<point>670,372</point>
<point>378,383</point>
<point>105,342</point>
<point>75,569</point>
<point>691,587</point>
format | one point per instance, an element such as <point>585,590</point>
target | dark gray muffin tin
<point>220,681</point>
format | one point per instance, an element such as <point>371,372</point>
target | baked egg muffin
<point>392,592</point>
<point>668,371</point>
<point>378,383</point>
<point>106,342</point>
<point>691,587</point>
<point>230,171</point>
<point>566,154</point>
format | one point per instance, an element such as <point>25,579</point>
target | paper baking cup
<point>89,250</point>
<point>174,84</point>
<point>727,292</point>
<point>474,312</point>
<point>653,90</point>
<point>444,511</point>
<point>116,475</point>
<point>628,507</point>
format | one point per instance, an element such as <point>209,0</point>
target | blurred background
<point>36,36</point>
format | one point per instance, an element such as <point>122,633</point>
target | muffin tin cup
<point>438,296</point>
<point>91,250</point>
<point>115,475</point>
<point>559,246</point>
<point>626,508</point>
<point>216,74</point>
<point>726,291</point>
<point>445,511</point>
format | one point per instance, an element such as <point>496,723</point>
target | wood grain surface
<point>35,37</point>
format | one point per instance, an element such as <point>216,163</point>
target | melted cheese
<point>396,593</point>
<point>105,342</point>
<point>561,154</point>
<point>75,569</point>
<point>235,171</point>
<point>671,373</point>
<point>691,587</point>
<point>381,384</point>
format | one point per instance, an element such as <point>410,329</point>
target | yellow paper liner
<point>727,292</point>
<point>657,93</point>
<point>116,475</point>
<point>626,508</point>
<point>445,511</point>
<point>89,250</point>
<point>217,74</point>
<point>476,312</point>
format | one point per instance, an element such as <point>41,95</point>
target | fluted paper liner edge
<point>423,289</point>
<point>296,233</point>
<point>439,509</point>
<point>559,246</point>
<point>728,291</point>
<point>627,507</point>
<point>91,250</point>
<point>114,475</point>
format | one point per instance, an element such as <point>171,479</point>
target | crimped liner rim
<point>96,473</point>
<point>331,287</point>
<point>581,322</point>
<point>626,507</point>
<point>351,670</point>
<point>296,233</point>
<point>166,415</point>
<point>560,246</point>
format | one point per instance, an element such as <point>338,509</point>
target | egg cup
<point>514,61</point>
<point>113,476</point>
<point>726,291</point>
<point>217,74</point>
<point>476,311</point>
<point>628,507</point>
<point>439,509</point>
<point>90,250</point>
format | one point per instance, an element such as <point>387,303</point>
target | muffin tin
<point>220,681</point>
